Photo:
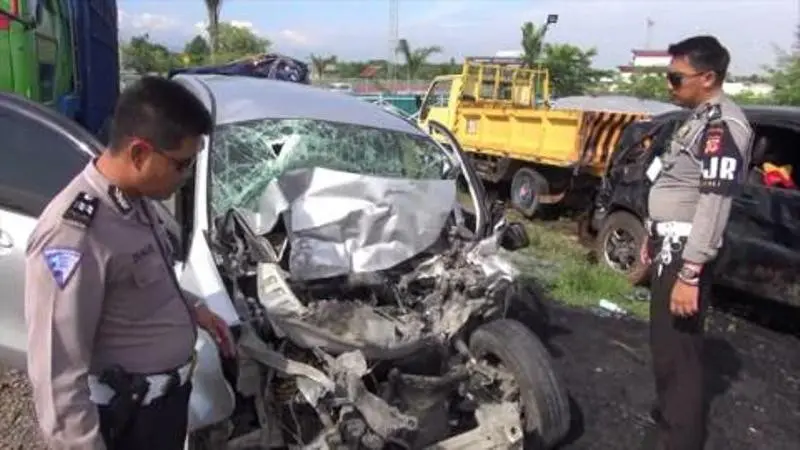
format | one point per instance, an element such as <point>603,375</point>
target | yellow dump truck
<point>500,112</point>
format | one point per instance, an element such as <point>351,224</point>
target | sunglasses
<point>179,164</point>
<point>676,79</point>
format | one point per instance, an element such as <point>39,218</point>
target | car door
<point>39,155</point>
<point>761,249</point>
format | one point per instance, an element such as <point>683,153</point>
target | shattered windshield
<point>247,156</point>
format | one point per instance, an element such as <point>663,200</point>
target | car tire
<point>622,225</point>
<point>527,185</point>
<point>543,398</point>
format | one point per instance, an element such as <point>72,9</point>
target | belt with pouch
<point>672,235</point>
<point>664,229</point>
<point>157,385</point>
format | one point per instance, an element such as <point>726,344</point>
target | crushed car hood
<point>341,223</point>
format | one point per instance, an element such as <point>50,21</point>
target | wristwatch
<point>690,274</point>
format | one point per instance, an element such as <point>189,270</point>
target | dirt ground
<point>754,379</point>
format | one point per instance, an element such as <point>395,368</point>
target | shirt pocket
<point>149,272</point>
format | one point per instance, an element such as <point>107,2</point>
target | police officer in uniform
<point>689,204</point>
<point>110,333</point>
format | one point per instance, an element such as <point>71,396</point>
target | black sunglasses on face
<point>180,165</point>
<point>676,79</point>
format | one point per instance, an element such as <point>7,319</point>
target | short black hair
<point>704,53</point>
<point>161,111</point>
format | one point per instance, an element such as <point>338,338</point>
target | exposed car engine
<point>371,360</point>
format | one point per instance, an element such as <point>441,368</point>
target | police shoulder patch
<point>120,199</point>
<point>62,263</point>
<point>721,164</point>
<point>713,140</point>
<point>82,209</point>
<point>714,112</point>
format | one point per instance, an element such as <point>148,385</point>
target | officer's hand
<point>644,252</point>
<point>684,299</point>
<point>217,328</point>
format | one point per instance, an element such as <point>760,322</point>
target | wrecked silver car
<point>369,298</point>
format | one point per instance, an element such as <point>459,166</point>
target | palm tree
<point>320,63</point>
<point>417,58</point>
<point>213,8</point>
<point>532,40</point>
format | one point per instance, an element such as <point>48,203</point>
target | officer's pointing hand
<point>217,328</point>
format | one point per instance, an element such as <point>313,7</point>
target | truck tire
<point>526,187</point>
<point>618,245</point>
<point>544,401</point>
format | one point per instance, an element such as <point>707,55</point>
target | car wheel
<point>527,186</point>
<point>618,246</point>
<point>510,346</point>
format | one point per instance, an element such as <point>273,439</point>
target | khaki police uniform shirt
<point>705,163</point>
<point>98,292</point>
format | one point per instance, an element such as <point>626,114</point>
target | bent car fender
<point>212,399</point>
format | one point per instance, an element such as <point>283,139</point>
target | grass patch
<point>559,262</point>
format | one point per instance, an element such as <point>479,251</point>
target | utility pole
<point>394,34</point>
<point>648,36</point>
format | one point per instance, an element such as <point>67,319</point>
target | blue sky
<point>359,29</point>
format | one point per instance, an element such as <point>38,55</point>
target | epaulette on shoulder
<point>82,210</point>
<point>714,113</point>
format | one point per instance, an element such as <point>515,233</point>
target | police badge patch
<point>119,199</point>
<point>82,210</point>
<point>721,162</point>
<point>713,140</point>
<point>62,263</point>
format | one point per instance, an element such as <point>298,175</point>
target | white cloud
<point>145,22</point>
<point>202,26</point>
<point>294,37</point>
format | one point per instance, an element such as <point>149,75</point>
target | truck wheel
<point>526,187</point>
<point>512,347</point>
<point>618,244</point>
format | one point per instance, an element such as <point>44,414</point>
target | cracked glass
<point>247,156</point>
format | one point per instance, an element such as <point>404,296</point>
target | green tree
<point>197,51</point>
<point>748,97</point>
<point>237,42</point>
<point>320,63</point>
<point>785,80</point>
<point>651,86</point>
<point>532,40</point>
<point>785,75</point>
<point>213,8</point>
<point>415,59</point>
<point>570,68</point>
<point>143,56</point>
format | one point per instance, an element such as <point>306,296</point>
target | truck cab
<point>35,39</point>
<point>63,54</point>
<point>500,112</point>
<point>437,103</point>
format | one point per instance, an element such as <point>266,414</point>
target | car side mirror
<point>515,237</point>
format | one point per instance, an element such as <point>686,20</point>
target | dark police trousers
<point>676,345</point>
<point>160,425</point>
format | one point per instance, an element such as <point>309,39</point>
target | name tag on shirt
<point>654,169</point>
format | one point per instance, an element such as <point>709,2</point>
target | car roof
<point>240,98</point>
<point>759,113</point>
<point>82,138</point>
